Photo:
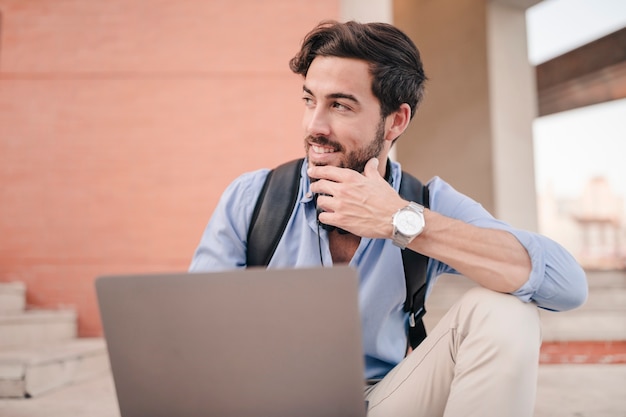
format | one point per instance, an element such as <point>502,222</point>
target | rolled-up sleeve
<point>556,282</point>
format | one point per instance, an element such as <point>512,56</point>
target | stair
<point>12,297</point>
<point>35,327</point>
<point>39,349</point>
<point>601,318</point>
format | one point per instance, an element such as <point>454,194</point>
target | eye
<point>308,101</point>
<point>340,106</point>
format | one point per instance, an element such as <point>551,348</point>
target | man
<point>362,86</point>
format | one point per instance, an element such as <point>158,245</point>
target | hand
<point>362,204</point>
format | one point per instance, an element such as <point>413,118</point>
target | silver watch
<point>408,223</point>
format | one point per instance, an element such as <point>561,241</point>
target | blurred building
<point>591,226</point>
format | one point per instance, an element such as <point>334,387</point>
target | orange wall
<point>122,121</point>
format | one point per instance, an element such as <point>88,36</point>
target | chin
<point>324,162</point>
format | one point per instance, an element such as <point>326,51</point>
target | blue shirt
<point>556,281</point>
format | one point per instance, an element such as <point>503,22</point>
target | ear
<point>397,122</point>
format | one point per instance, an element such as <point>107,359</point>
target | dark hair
<point>395,65</point>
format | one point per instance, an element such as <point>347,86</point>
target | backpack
<point>273,210</point>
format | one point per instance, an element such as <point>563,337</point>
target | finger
<point>324,202</point>
<point>323,187</point>
<point>326,217</point>
<point>331,173</point>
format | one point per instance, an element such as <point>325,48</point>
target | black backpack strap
<point>415,266</point>
<point>270,215</point>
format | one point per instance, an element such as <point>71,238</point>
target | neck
<point>343,246</point>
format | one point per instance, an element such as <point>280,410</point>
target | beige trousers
<point>480,360</point>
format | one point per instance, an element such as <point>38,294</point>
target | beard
<point>355,159</point>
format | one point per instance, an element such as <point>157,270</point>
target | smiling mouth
<point>322,145</point>
<point>321,149</point>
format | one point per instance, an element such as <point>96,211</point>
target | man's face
<point>342,122</point>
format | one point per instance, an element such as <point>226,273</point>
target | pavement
<point>588,390</point>
<point>581,386</point>
<point>581,391</point>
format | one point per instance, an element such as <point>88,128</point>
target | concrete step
<point>601,318</point>
<point>583,325</point>
<point>35,327</point>
<point>12,297</point>
<point>32,371</point>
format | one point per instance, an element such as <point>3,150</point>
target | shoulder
<point>447,200</point>
<point>243,191</point>
<point>443,197</point>
<point>249,181</point>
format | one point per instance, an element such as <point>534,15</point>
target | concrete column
<point>474,128</point>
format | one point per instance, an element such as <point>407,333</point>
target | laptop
<point>251,342</point>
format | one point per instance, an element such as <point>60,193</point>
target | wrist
<point>407,223</point>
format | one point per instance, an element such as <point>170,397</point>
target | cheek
<point>354,136</point>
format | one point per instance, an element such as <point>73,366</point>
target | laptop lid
<point>251,342</point>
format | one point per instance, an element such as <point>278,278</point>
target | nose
<point>316,122</point>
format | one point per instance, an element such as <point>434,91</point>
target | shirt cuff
<point>537,273</point>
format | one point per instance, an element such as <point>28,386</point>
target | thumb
<point>371,168</point>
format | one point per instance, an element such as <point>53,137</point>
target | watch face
<point>409,223</point>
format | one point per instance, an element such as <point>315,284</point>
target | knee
<point>501,320</point>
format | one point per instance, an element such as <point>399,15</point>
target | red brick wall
<point>122,121</point>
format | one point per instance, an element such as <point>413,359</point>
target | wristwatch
<point>408,223</point>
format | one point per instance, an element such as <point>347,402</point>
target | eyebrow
<point>334,95</point>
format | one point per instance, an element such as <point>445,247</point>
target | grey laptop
<point>254,342</point>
